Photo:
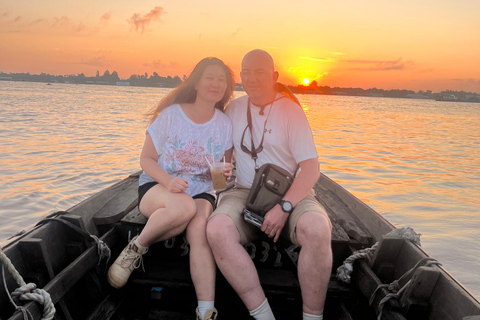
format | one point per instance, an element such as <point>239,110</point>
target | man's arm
<point>307,177</point>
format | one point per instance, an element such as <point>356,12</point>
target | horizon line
<point>300,86</point>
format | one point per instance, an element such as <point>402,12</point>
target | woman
<point>187,131</point>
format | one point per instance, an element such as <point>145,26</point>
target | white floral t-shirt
<point>183,146</point>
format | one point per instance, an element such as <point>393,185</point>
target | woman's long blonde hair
<point>186,92</point>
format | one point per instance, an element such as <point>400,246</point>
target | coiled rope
<point>26,291</point>
<point>30,291</point>
<point>345,270</point>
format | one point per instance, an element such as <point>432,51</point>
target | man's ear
<point>275,76</point>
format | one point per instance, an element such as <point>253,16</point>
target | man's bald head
<point>259,56</point>
<point>259,76</point>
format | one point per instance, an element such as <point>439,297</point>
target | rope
<point>345,270</point>
<point>102,248</point>
<point>29,291</point>
<point>103,251</point>
<point>396,291</point>
<point>26,291</point>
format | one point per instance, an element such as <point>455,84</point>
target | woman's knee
<point>183,206</point>
<point>197,228</point>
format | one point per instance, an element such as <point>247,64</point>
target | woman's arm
<point>149,164</point>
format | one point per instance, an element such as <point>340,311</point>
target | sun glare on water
<point>306,81</point>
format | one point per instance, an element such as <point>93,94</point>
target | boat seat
<point>346,228</point>
<point>134,217</point>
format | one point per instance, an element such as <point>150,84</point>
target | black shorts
<point>147,186</point>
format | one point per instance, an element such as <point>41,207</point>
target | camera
<point>252,217</point>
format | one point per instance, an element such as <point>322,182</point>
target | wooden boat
<point>60,256</point>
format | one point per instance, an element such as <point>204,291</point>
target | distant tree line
<point>107,78</point>
<point>313,88</point>
<point>155,80</point>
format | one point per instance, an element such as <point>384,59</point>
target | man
<point>287,142</point>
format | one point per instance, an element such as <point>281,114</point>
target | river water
<point>416,162</point>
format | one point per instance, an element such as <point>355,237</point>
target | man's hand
<point>274,222</point>
<point>177,185</point>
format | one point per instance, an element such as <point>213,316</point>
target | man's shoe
<point>130,259</point>
<point>210,315</point>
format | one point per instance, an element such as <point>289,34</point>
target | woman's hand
<point>177,185</point>
<point>227,171</point>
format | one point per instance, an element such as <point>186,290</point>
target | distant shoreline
<point>460,96</point>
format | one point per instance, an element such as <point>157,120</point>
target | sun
<point>306,81</point>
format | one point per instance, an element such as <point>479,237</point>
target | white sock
<point>307,316</point>
<point>144,249</point>
<point>204,306</point>
<point>263,312</point>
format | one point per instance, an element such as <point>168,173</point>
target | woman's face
<point>212,85</point>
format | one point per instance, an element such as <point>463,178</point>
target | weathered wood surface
<point>448,299</point>
<point>353,223</point>
<point>366,280</point>
<point>340,215</point>
<point>120,204</point>
<point>134,217</point>
<point>106,309</point>
<point>89,207</point>
<point>372,222</point>
<point>63,281</point>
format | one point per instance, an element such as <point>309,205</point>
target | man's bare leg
<point>315,260</point>
<point>234,261</point>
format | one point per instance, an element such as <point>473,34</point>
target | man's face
<point>258,76</point>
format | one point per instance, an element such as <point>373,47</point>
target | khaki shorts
<point>232,203</point>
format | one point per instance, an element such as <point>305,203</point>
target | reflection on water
<point>413,161</point>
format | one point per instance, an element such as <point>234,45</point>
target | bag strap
<point>286,93</point>
<point>255,151</point>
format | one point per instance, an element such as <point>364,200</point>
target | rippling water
<point>413,161</point>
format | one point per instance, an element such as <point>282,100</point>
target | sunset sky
<point>410,44</point>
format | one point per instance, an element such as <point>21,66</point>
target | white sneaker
<point>210,315</point>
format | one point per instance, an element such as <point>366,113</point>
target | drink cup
<point>218,179</point>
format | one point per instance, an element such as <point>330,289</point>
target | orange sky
<point>410,44</point>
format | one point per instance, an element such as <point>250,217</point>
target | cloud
<point>470,81</point>
<point>139,21</point>
<point>158,64</point>
<point>375,65</point>
<point>320,75</point>
<point>38,21</point>
<point>106,16</point>
<point>94,62</point>
<point>80,27</point>
<point>317,59</point>
<point>65,23</point>
<point>236,32</point>
<point>18,18</point>
<point>61,22</point>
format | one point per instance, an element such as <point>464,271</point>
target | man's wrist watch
<point>286,206</point>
